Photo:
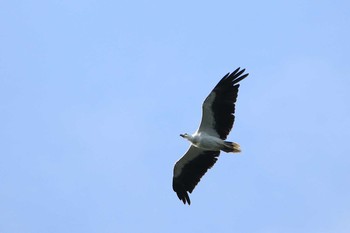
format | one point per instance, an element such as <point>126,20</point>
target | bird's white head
<point>184,135</point>
<point>187,136</point>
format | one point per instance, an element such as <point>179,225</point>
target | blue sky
<point>94,95</point>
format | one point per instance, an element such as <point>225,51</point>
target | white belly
<point>208,142</point>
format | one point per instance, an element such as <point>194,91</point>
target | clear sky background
<point>94,95</point>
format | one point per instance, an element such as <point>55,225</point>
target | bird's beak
<point>182,135</point>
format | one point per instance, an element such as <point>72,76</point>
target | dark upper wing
<point>219,107</point>
<point>189,170</point>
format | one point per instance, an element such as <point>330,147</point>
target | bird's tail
<point>231,147</point>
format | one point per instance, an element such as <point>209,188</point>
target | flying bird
<point>210,138</point>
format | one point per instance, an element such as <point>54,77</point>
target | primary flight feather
<point>206,143</point>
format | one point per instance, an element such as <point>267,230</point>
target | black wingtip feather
<point>240,78</point>
<point>236,70</point>
<point>233,77</point>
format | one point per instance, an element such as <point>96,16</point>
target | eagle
<point>210,138</point>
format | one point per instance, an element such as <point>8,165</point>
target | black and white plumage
<point>206,143</point>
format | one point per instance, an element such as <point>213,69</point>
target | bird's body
<point>207,142</point>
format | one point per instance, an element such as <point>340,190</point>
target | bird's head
<point>185,135</point>
<point>189,137</point>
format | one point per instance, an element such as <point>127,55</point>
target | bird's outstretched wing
<point>189,170</point>
<point>219,107</point>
